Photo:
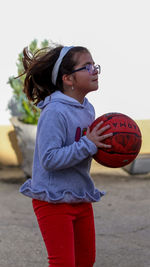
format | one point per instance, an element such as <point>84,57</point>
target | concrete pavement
<point>122,221</point>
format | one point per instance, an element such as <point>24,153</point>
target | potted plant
<point>24,114</point>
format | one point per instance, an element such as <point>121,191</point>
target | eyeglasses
<point>90,68</point>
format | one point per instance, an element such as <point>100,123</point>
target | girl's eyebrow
<point>88,63</point>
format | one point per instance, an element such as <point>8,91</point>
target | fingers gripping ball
<point>125,141</point>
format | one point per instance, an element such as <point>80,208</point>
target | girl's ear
<point>67,79</point>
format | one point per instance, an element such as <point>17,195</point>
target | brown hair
<point>38,69</point>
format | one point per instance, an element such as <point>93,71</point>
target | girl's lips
<point>95,80</point>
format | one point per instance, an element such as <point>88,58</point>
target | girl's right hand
<point>96,135</point>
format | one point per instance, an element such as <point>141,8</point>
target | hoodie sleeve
<point>52,152</point>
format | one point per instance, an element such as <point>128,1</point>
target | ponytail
<point>38,70</point>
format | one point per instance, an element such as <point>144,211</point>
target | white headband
<point>63,52</point>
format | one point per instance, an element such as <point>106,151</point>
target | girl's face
<point>83,80</point>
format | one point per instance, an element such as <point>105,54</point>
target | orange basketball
<point>126,140</point>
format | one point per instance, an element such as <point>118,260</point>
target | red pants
<point>68,232</point>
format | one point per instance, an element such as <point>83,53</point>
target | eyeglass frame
<point>96,67</point>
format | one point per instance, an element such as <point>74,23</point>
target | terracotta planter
<point>26,134</point>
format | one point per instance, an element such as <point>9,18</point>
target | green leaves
<point>45,43</point>
<point>29,112</point>
<point>16,84</point>
<point>33,46</point>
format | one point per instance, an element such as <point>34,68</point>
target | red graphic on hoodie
<point>78,133</point>
<point>84,131</point>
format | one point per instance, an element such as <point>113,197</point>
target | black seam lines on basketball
<point>113,116</point>
<point>127,133</point>
<point>118,115</point>
<point>118,153</point>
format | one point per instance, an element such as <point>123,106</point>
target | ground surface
<point>122,221</point>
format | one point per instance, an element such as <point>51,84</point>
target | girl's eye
<point>88,67</point>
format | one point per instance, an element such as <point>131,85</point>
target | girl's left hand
<point>97,136</point>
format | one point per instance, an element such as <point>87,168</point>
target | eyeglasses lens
<point>91,69</point>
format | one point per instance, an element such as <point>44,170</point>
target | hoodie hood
<point>59,97</point>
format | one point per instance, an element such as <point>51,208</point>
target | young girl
<point>57,81</point>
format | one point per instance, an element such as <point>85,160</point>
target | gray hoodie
<point>63,154</point>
